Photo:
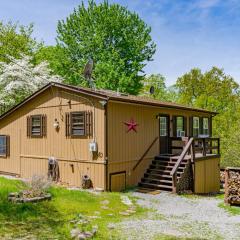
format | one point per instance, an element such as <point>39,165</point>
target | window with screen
<point>196,127</point>
<point>77,123</point>
<point>36,126</point>
<point>4,145</point>
<point>179,126</point>
<point>205,126</point>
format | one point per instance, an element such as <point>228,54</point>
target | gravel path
<point>196,218</point>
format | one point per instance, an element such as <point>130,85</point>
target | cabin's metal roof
<point>109,95</point>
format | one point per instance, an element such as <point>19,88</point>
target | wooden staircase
<point>158,177</point>
<point>174,173</point>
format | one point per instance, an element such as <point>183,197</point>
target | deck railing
<point>203,145</point>
<point>206,146</point>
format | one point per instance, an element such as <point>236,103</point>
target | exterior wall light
<point>56,124</point>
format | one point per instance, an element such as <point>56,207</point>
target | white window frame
<point>163,126</point>
<point>197,127</point>
<point>206,126</point>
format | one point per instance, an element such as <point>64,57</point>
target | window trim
<point>43,126</point>
<point>165,125</point>
<point>208,132</point>
<point>31,126</point>
<point>196,128</point>
<point>7,146</point>
<point>84,124</point>
<point>183,125</point>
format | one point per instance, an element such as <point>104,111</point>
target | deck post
<point>174,189</point>
<point>226,173</point>
<point>204,147</point>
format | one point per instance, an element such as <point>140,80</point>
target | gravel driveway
<point>195,218</point>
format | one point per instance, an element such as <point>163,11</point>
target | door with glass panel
<point>164,134</point>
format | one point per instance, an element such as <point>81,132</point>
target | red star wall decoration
<point>132,125</point>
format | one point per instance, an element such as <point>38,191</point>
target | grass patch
<point>234,210</point>
<point>51,220</point>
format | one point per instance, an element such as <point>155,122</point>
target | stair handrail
<point>145,153</point>
<point>173,173</point>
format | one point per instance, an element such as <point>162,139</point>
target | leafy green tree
<point>16,40</point>
<point>215,91</point>
<point>161,92</point>
<point>56,58</point>
<point>118,41</point>
<point>212,90</point>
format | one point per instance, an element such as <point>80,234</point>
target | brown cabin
<point>116,139</point>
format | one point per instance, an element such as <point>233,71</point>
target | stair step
<point>165,156</point>
<point>160,162</point>
<point>157,176</point>
<point>157,181</point>
<point>159,166</point>
<point>159,171</point>
<point>155,186</point>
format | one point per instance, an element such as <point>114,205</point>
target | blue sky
<point>200,33</point>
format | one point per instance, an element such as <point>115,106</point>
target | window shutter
<point>185,125</point>
<point>88,123</point>
<point>67,124</point>
<point>28,126</point>
<point>174,126</point>
<point>7,146</point>
<point>44,125</point>
<point>190,126</point>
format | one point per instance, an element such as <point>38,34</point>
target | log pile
<point>232,186</point>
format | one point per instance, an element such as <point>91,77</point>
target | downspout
<point>106,144</point>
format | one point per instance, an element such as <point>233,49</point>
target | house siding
<point>125,149</point>
<point>28,156</point>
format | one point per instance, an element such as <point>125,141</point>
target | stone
<point>97,189</point>
<point>88,234</point>
<point>75,232</point>
<point>13,194</point>
<point>124,213</point>
<point>110,214</point>
<point>130,211</point>
<point>81,236</point>
<point>94,230</point>
<point>105,202</point>
<point>94,217</point>
<point>111,226</point>
<point>104,207</point>
<point>125,200</point>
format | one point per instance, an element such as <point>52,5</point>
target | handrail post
<point>218,148</point>
<point>174,189</point>
<point>193,149</point>
<point>204,147</point>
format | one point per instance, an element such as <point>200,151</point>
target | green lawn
<point>234,210</point>
<point>51,220</point>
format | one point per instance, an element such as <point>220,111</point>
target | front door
<point>164,134</point>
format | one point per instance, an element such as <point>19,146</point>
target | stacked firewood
<point>233,187</point>
<point>222,176</point>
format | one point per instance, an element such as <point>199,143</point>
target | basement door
<point>164,132</point>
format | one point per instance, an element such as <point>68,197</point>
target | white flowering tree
<point>20,78</point>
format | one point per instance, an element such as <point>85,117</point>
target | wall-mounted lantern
<point>56,124</point>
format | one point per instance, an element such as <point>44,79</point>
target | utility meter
<point>93,147</point>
